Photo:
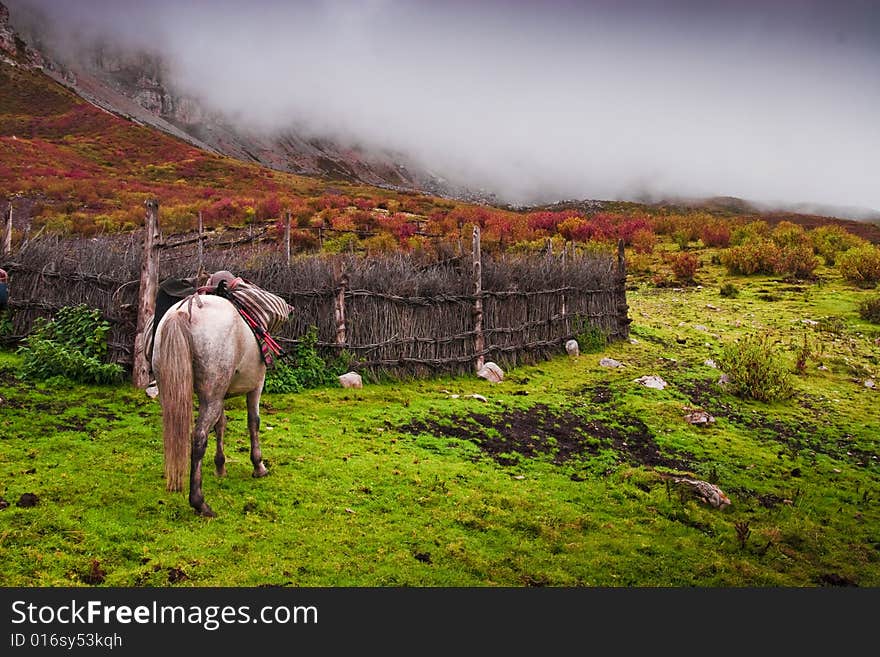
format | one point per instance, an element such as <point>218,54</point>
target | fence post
<point>623,319</point>
<point>479,340</point>
<point>287,237</point>
<point>149,285</point>
<point>7,233</point>
<point>201,241</point>
<point>340,311</point>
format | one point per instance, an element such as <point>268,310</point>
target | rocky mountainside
<point>135,85</point>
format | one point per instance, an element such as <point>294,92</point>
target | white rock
<point>351,380</point>
<point>152,391</point>
<point>700,327</point>
<point>699,417</point>
<point>651,381</point>
<point>478,397</point>
<point>491,372</point>
<point>610,362</point>
<point>572,348</point>
<point>710,363</point>
<point>869,383</point>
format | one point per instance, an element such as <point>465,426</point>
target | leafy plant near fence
<point>304,368</point>
<point>72,345</point>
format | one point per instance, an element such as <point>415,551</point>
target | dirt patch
<point>560,435</point>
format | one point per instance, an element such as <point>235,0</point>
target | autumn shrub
<point>755,370</point>
<point>796,261</point>
<point>639,263</point>
<point>750,232</point>
<point>790,235</point>
<point>380,244</point>
<point>756,256</point>
<point>715,234</point>
<point>684,265</point>
<point>860,265</point>
<point>831,239</point>
<point>644,241</point>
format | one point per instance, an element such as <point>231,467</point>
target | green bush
<point>729,291</point>
<point>755,370</point>
<point>73,345</point>
<point>860,265</point>
<point>304,368</point>
<point>869,310</point>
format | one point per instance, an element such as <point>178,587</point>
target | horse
<point>202,344</point>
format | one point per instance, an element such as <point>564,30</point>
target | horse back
<point>225,355</point>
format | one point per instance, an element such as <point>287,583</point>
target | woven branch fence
<point>400,315</point>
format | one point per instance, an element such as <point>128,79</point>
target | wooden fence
<point>399,315</point>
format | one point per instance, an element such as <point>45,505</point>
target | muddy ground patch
<point>558,435</point>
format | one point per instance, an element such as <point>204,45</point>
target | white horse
<point>202,344</point>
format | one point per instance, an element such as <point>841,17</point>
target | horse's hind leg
<point>219,457</point>
<point>253,408</point>
<point>209,415</point>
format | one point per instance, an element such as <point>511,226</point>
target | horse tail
<point>174,366</point>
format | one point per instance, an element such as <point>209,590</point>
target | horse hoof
<point>261,471</point>
<point>206,512</point>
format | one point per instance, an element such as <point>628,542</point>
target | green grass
<point>358,495</point>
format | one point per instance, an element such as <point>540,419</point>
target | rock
<point>700,327</point>
<point>478,397</point>
<point>633,341</point>
<point>822,368</point>
<point>572,348</point>
<point>491,372</point>
<point>710,363</point>
<point>152,390</point>
<point>351,380</point>
<point>610,362</point>
<point>869,383</point>
<point>699,417</point>
<point>723,380</point>
<point>704,491</point>
<point>711,307</point>
<point>651,381</point>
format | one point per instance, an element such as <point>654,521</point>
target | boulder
<point>572,348</point>
<point>610,362</point>
<point>351,380</point>
<point>651,381</point>
<point>491,372</point>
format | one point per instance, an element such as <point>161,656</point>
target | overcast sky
<point>770,100</point>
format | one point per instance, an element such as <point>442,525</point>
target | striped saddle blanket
<point>269,311</point>
<point>263,311</point>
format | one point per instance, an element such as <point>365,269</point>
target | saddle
<point>262,311</point>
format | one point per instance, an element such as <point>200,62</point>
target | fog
<point>536,101</point>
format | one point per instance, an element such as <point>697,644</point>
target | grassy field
<point>556,479</point>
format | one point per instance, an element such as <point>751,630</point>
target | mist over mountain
<point>775,102</point>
